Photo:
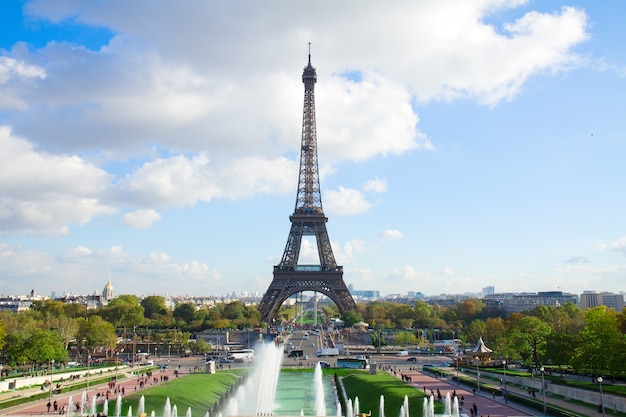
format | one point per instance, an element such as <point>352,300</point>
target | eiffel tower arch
<point>308,219</point>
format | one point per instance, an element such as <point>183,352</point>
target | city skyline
<point>461,146</point>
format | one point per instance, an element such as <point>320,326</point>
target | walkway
<point>131,384</point>
<point>486,403</point>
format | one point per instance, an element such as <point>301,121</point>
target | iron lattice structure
<point>308,219</point>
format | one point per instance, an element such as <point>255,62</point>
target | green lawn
<point>368,388</point>
<point>198,391</point>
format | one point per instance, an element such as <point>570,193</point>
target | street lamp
<point>506,400</point>
<point>117,364</point>
<point>601,396</point>
<point>477,375</point>
<point>543,389</point>
<point>456,359</point>
<point>88,363</point>
<point>50,386</point>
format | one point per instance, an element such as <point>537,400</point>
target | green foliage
<point>124,311</point>
<point>185,311</point>
<point>154,306</point>
<point>350,318</point>
<point>528,338</point>
<point>95,332</point>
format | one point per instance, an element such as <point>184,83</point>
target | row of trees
<point>565,335</point>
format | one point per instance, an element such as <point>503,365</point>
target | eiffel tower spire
<point>308,219</point>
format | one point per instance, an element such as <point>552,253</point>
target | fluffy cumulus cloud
<point>224,113</point>
<point>616,246</point>
<point>141,219</point>
<point>392,234</point>
<point>184,180</point>
<point>149,84</point>
<point>376,185</point>
<point>345,201</point>
<point>81,267</point>
<point>45,193</point>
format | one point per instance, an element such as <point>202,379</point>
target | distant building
<point>520,302</point>
<point>591,299</point>
<point>107,293</point>
<point>367,294</point>
<point>489,290</point>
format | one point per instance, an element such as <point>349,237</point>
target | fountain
<point>141,407</point>
<point>167,408</point>
<point>350,409</point>
<point>118,406</point>
<point>451,407</point>
<point>381,408</point>
<point>105,407</point>
<point>320,402</point>
<point>404,409</point>
<point>83,403</point>
<point>70,404</point>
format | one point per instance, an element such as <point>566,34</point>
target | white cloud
<point>448,272</point>
<point>376,185</point>
<point>616,246</point>
<point>151,83</point>
<point>11,69</point>
<point>392,234</point>
<point>346,253</point>
<point>184,180</point>
<point>82,270</point>
<point>43,193</point>
<point>141,219</point>
<point>345,201</point>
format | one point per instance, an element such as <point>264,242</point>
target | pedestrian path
<point>130,384</point>
<point>485,405</point>
<point>487,402</point>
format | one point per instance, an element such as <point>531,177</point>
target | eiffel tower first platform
<point>308,219</point>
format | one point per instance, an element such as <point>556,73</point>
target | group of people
<point>55,407</point>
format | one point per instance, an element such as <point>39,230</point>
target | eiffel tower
<point>308,219</point>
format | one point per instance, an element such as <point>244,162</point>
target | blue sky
<point>461,145</point>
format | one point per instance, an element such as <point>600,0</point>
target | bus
<point>245,354</point>
<point>356,363</point>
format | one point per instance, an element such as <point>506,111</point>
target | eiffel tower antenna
<point>308,219</point>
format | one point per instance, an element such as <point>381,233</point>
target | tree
<point>351,317</point>
<point>601,341</point>
<point>475,330</point>
<point>405,339</point>
<point>528,337</point>
<point>96,333</point>
<point>185,312</point>
<point>44,346</point>
<point>124,311</point>
<point>154,306</point>
<point>469,310</point>
<point>495,330</point>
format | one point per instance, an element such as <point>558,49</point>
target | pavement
<point>129,384</point>
<point>487,404</point>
